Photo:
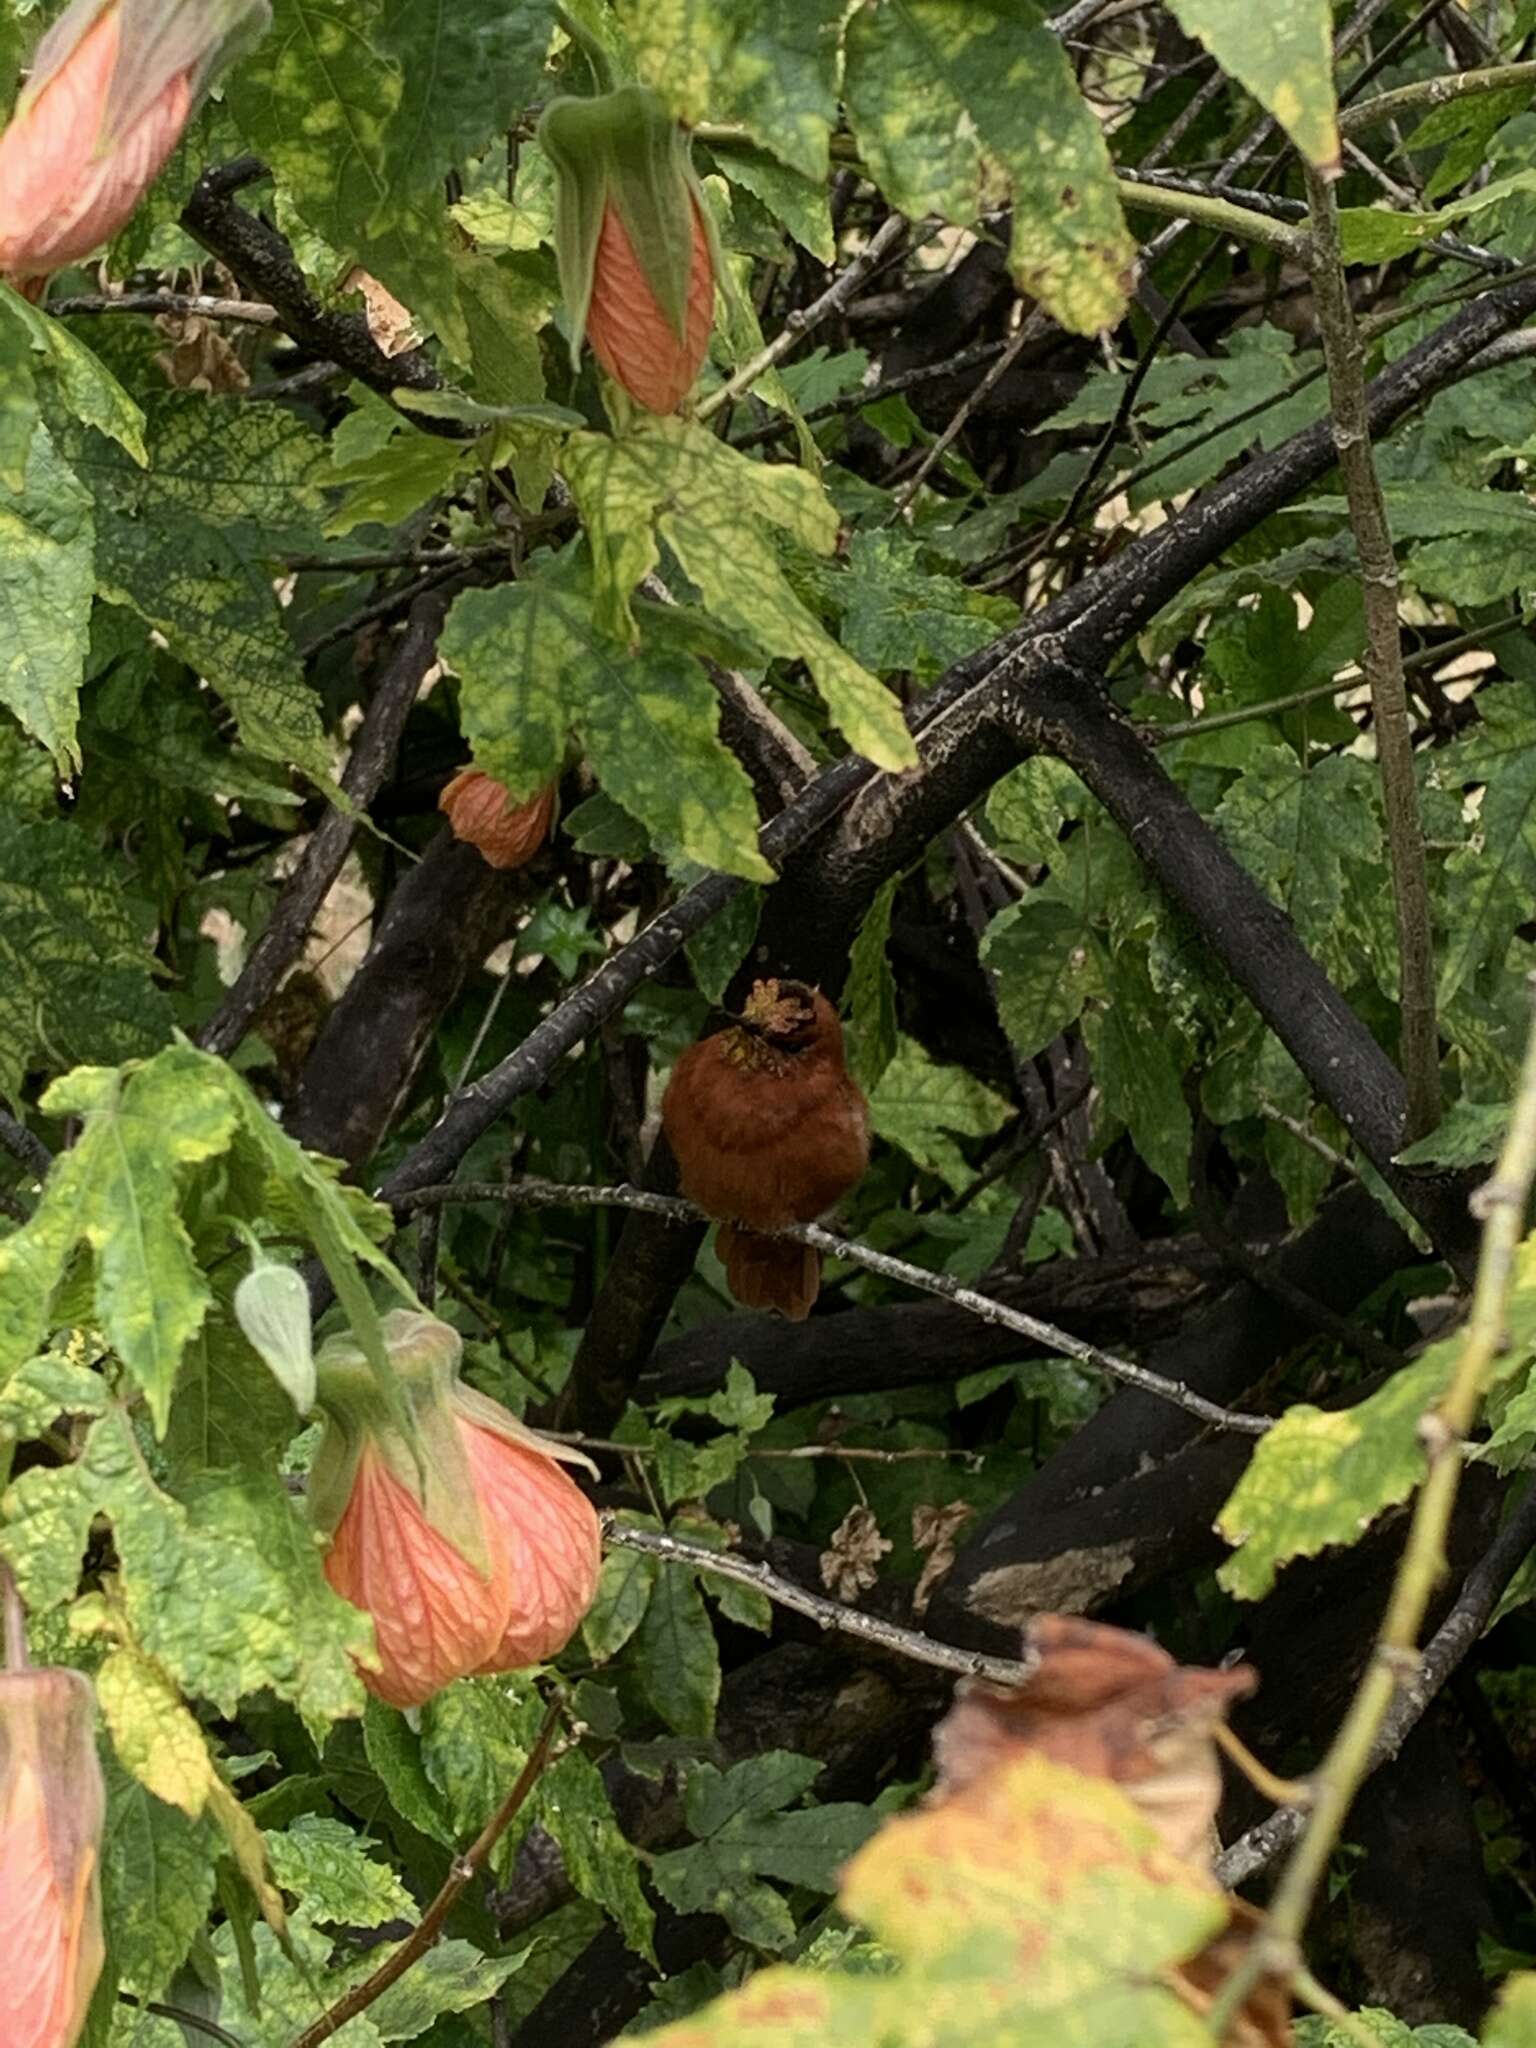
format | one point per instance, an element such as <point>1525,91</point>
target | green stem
<point>1501,1203</point>
<point>1224,215</point>
<point>1298,700</point>
<point>1383,660</point>
<point>1433,92</point>
<point>16,1658</point>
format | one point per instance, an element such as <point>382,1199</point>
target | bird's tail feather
<point>769,1272</point>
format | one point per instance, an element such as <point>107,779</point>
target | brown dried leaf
<point>391,324</point>
<point>1112,1705</point>
<point>850,1564</point>
<point>201,358</point>
<point>935,1529</point>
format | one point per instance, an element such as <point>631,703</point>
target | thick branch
<point>372,757</point>
<point>261,259</point>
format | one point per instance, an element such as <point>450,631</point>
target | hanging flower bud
<point>111,87</point>
<point>507,835</point>
<point>633,241</point>
<point>272,1308</point>
<point>51,1811</point>
<point>482,1557</point>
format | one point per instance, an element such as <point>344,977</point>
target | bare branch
<point>543,1194</point>
<point>827,1614</point>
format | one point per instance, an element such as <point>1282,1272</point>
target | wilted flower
<point>476,1553</point>
<point>51,1811</point>
<point>508,836</point>
<point>110,90</point>
<point>632,240</point>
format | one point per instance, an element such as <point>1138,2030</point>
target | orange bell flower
<point>477,810</point>
<point>110,90</point>
<point>52,1806</point>
<point>471,1549</point>
<point>630,334</point>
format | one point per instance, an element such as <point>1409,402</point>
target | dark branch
<point>261,259</point>
<point>373,754</point>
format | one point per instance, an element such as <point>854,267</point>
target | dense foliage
<point>1077,620</point>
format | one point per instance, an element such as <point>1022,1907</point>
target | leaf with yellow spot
<point>1283,55</point>
<point>716,510</point>
<point>1321,1477</point>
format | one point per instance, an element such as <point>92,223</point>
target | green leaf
<point>224,1589</point>
<point>317,99</point>
<point>1321,1477</point>
<point>328,1869</point>
<point>901,616</point>
<point>798,203</point>
<point>922,1107</point>
<point>75,957</point>
<point>47,543</point>
<point>624,1589</point>
<point>714,508</point>
<point>774,72</point>
<point>743,1836</point>
<point>1047,967</point>
<point>469,69</point>
<point>872,1027</point>
<point>185,545</point>
<point>157,1883</point>
<point>1494,874</point>
<point>117,1189</point>
<point>83,382</point>
<point>933,90</point>
<point>1141,1073</point>
<point>1310,837</point>
<point>532,664</point>
<point>571,1803</point>
<point>1513,2024</point>
<point>1469,1134</point>
<point>677,1660</point>
<point>1283,55</point>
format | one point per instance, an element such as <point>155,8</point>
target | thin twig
<point>429,1928</point>
<point>832,1615</point>
<point>1210,210</point>
<point>1025,332</point>
<point>179,305</point>
<point>373,755</point>
<point>803,319</point>
<point>546,1194</point>
<point>855,1454</point>
<point>1500,1202</point>
<point>1433,92</point>
<point>1383,661</point>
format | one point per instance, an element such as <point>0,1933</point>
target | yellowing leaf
<point>937,94</point>
<point>1322,1477</point>
<point>534,665</point>
<point>713,507</point>
<point>154,1734</point>
<point>1283,55</point>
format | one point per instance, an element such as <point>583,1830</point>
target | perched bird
<point>768,1129</point>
